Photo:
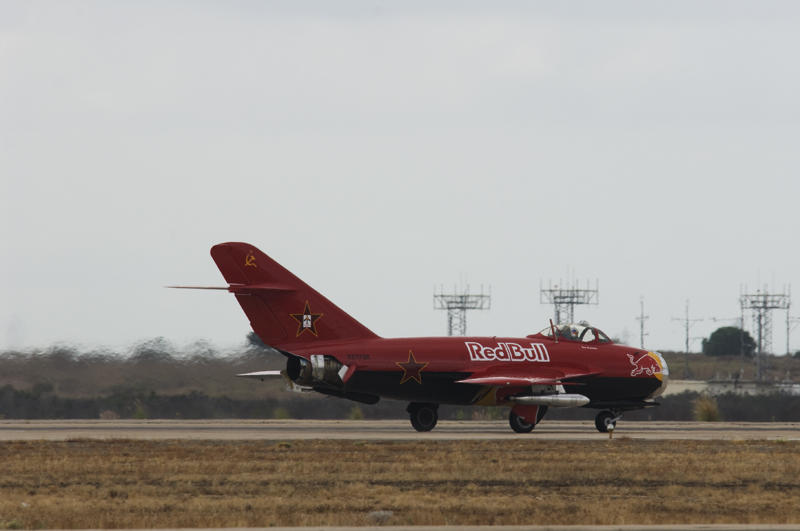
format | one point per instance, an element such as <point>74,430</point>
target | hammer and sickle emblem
<point>250,260</point>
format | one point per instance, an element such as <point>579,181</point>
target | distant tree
<point>153,350</point>
<point>254,341</point>
<point>729,341</point>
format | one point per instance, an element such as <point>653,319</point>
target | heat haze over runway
<point>382,430</point>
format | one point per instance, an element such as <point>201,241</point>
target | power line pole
<point>791,324</point>
<point>642,318</point>
<point>687,323</point>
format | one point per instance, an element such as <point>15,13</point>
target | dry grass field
<point>143,484</point>
<point>701,367</point>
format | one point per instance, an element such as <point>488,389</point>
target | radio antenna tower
<point>761,304</point>
<point>565,298</point>
<point>642,318</point>
<point>457,305</point>
<point>687,324</point>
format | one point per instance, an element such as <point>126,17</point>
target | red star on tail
<point>306,320</point>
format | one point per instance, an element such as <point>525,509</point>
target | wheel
<point>518,424</point>
<point>423,416</point>
<point>603,420</point>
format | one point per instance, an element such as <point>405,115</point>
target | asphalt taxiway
<point>667,527</point>
<point>11,430</point>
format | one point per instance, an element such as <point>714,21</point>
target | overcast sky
<point>379,149</point>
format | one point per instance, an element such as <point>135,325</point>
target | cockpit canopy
<point>581,332</point>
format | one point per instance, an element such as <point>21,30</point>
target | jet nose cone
<point>663,376</point>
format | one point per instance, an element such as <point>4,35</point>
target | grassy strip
<point>142,484</point>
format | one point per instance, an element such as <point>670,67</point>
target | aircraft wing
<point>498,379</point>
<point>503,380</point>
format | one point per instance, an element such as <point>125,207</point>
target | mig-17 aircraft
<point>328,351</point>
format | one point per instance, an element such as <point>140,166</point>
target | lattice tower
<point>761,304</point>
<point>457,305</point>
<point>565,298</point>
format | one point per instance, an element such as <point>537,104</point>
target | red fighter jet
<point>329,352</point>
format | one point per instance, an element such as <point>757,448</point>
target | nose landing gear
<point>606,419</point>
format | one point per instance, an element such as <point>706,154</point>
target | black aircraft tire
<point>603,420</point>
<point>518,424</point>
<point>424,417</point>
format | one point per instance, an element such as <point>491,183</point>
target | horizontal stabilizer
<point>290,385</point>
<point>561,400</point>
<point>264,286</point>
<point>242,288</point>
<point>259,374</point>
<point>198,287</point>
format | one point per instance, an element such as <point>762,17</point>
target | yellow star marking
<point>411,369</point>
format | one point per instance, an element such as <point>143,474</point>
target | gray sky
<point>378,149</point>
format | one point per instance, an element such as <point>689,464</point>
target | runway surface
<point>11,430</point>
<point>686,527</point>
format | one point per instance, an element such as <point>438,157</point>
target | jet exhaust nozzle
<point>320,369</point>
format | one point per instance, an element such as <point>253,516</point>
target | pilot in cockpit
<point>582,332</point>
<point>569,332</point>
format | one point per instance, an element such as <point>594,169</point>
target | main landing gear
<point>518,424</point>
<point>606,421</point>
<point>523,419</point>
<point>423,416</point>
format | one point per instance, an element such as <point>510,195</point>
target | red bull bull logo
<point>649,364</point>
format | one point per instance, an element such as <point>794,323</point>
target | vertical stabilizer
<point>283,310</point>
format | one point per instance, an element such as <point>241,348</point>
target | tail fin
<point>283,310</point>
